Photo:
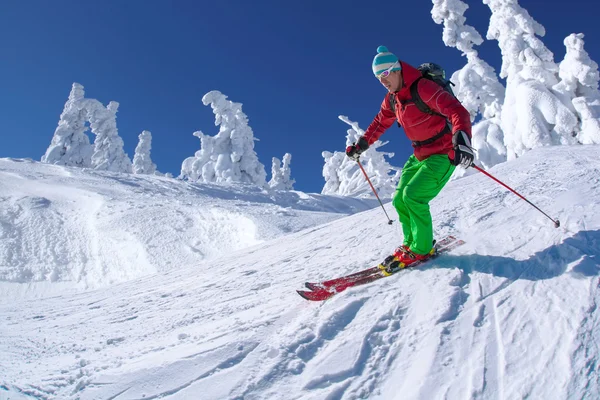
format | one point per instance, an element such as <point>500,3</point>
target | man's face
<point>392,82</point>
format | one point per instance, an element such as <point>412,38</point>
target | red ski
<point>326,289</point>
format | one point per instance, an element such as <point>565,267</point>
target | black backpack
<point>434,73</point>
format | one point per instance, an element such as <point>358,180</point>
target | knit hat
<point>384,60</point>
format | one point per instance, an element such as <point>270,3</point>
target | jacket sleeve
<point>382,121</point>
<point>444,103</point>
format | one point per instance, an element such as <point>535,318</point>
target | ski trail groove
<point>226,364</point>
<point>375,348</point>
<point>498,351</point>
<point>293,357</point>
<point>385,346</point>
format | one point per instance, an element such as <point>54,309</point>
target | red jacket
<point>417,125</point>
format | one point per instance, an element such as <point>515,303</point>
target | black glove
<point>356,149</point>
<point>463,152</point>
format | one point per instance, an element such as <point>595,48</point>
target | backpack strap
<point>416,98</point>
<point>447,129</point>
<point>418,101</point>
<point>392,99</point>
<point>424,108</point>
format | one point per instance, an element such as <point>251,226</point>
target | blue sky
<point>295,66</point>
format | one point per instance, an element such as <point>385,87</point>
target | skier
<point>441,141</point>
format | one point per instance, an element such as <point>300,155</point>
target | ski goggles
<point>387,72</point>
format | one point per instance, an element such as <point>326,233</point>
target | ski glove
<point>356,149</point>
<point>463,152</point>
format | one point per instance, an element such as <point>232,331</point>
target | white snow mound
<point>64,227</point>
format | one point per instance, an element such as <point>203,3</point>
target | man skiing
<point>441,141</point>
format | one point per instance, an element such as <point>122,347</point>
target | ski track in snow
<point>511,314</point>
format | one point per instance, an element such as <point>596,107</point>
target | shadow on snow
<point>583,248</point>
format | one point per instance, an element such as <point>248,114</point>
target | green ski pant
<point>419,183</point>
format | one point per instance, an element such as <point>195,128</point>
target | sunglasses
<point>388,71</point>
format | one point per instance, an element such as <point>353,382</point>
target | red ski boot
<point>402,258</point>
<point>406,258</point>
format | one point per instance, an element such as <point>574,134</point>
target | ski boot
<point>402,258</point>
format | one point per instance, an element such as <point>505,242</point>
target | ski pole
<point>556,222</point>
<point>373,189</point>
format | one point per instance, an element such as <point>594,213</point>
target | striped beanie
<point>383,60</point>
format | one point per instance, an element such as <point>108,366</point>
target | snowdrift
<point>64,228</point>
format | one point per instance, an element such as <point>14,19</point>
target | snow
<point>476,84</point>
<point>579,84</point>
<point>280,174</point>
<point>142,161</point>
<point>511,314</point>
<point>228,156</point>
<point>70,228</point>
<point>533,113</point>
<point>543,103</point>
<point>108,146</point>
<point>122,286</point>
<point>70,146</point>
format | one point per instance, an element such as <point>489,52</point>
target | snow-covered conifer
<point>579,83</point>
<point>70,145</point>
<point>477,86</point>
<point>142,163</point>
<point>532,115</point>
<point>228,156</point>
<point>108,146</point>
<point>343,176</point>
<point>280,175</point>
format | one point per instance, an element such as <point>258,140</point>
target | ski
<point>327,289</point>
<point>440,245</point>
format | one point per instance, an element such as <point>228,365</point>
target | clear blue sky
<point>295,66</point>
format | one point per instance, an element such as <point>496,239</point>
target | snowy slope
<point>512,314</point>
<point>81,229</point>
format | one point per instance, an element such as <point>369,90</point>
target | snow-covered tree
<point>70,145</point>
<point>343,176</point>
<point>228,156</point>
<point>280,175</point>
<point>142,163</point>
<point>477,86</point>
<point>108,146</point>
<point>533,114</point>
<point>579,83</point>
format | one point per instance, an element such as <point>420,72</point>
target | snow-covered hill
<point>512,314</point>
<point>63,228</point>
